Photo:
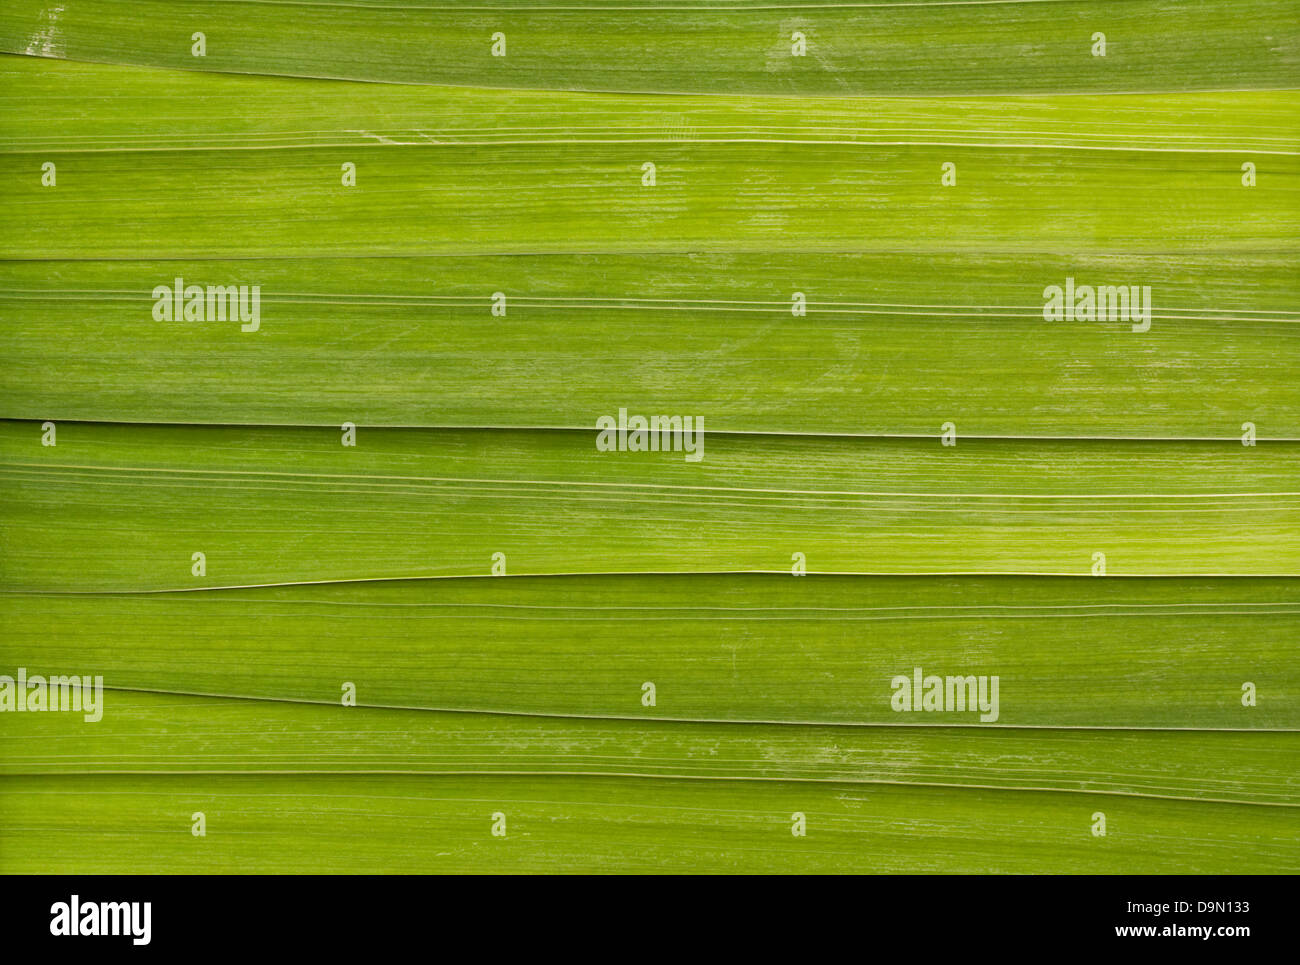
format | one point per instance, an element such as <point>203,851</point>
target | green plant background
<point>521,694</point>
